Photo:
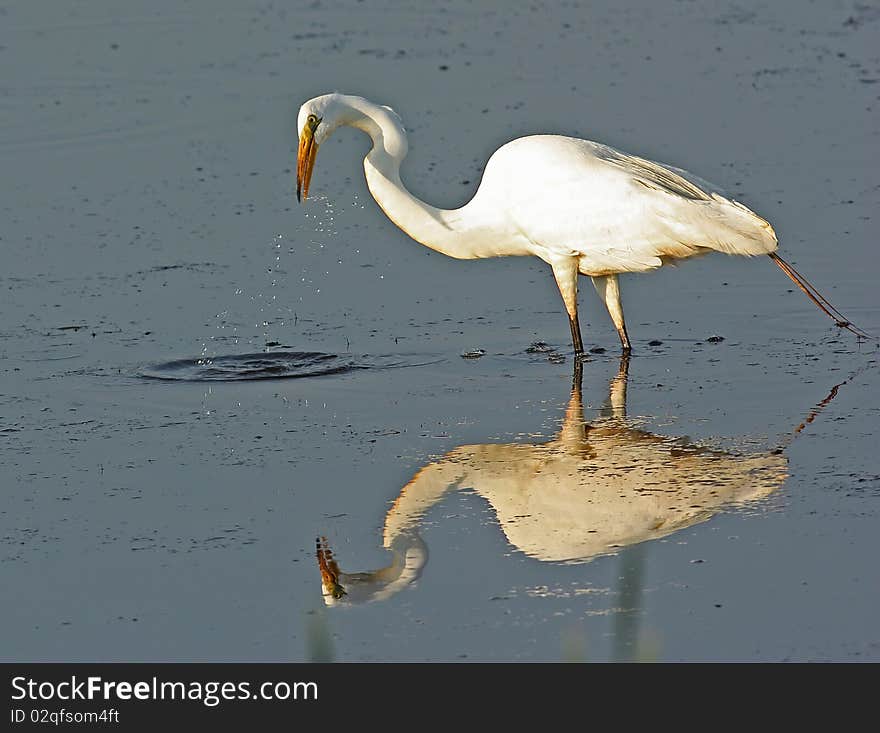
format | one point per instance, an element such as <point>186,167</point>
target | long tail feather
<point>840,320</point>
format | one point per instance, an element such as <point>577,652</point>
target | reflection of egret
<point>594,488</point>
<point>582,207</point>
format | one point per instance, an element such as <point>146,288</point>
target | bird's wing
<point>697,214</point>
<point>615,212</point>
<point>653,175</point>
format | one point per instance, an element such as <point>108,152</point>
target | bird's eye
<point>312,120</point>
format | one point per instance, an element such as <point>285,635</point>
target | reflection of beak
<point>305,161</point>
<point>328,567</point>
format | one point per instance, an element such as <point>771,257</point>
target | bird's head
<point>317,118</point>
<point>320,116</point>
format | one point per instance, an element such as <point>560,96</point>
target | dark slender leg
<point>576,335</point>
<point>624,341</point>
<point>566,274</point>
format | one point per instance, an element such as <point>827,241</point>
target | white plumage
<point>612,211</point>
<point>582,207</point>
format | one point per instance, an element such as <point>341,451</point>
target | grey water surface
<point>199,377</point>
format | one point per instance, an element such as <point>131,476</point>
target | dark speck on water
<point>715,339</point>
<point>597,350</point>
<point>539,347</point>
<point>473,354</point>
<point>655,342</point>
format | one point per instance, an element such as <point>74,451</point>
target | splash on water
<point>274,365</point>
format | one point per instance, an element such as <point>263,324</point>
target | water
<point>268,365</point>
<point>165,479</point>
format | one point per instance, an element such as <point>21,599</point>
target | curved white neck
<point>455,232</point>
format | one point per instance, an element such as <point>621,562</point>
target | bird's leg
<point>609,290</point>
<point>566,274</point>
<point>576,334</point>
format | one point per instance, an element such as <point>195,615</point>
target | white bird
<point>582,207</point>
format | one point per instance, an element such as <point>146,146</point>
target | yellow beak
<point>305,160</point>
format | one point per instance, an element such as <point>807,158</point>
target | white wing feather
<point>615,212</point>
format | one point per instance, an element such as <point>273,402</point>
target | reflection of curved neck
<point>424,490</point>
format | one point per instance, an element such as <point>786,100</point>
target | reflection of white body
<point>572,501</point>
<point>594,488</point>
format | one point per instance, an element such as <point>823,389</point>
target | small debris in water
<point>555,358</point>
<point>473,354</point>
<point>715,339</point>
<point>539,347</point>
<point>597,350</point>
<point>655,342</point>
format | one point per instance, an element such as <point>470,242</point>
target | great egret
<point>582,207</point>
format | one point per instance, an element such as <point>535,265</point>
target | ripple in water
<point>271,365</point>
